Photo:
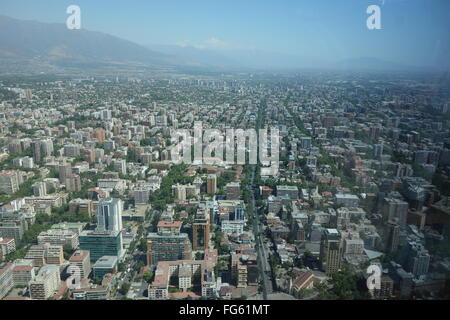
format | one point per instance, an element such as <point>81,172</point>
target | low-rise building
<point>105,265</point>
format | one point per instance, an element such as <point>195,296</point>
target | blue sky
<point>415,32</point>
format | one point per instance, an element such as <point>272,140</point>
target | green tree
<point>124,288</point>
<point>148,276</point>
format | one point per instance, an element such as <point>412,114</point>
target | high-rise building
<point>105,114</point>
<point>393,236</point>
<point>9,182</point>
<point>28,94</point>
<point>331,251</point>
<point>7,245</point>
<point>81,259</point>
<point>141,196</point>
<point>36,151</point>
<point>40,189</point>
<point>89,155</point>
<point>73,183</point>
<point>13,229</point>
<point>233,190</point>
<point>305,142</point>
<point>15,147</point>
<point>109,214</point>
<point>46,147</point>
<point>99,134</point>
<point>329,121</point>
<point>6,279</point>
<point>64,171</point>
<point>378,150</point>
<point>418,260</point>
<point>290,191</point>
<point>120,166</point>
<point>211,184</point>
<point>375,131</point>
<point>395,210</point>
<point>200,230</point>
<point>179,191</point>
<point>46,283</point>
<point>168,244</point>
<point>101,243</point>
<point>72,150</point>
<point>23,272</point>
<point>421,156</point>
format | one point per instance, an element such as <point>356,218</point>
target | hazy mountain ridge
<point>54,43</point>
<point>47,47</point>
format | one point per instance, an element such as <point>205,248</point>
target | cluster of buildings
<point>362,179</point>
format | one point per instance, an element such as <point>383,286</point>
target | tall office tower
<point>81,259</point>
<point>109,214</point>
<point>64,170</point>
<point>393,236</point>
<point>211,184</point>
<point>36,151</point>
<point>101,243</point>
<point>168,244</point>
<point>331,251</point>
<point>233,190</point>
<point>200,230</point>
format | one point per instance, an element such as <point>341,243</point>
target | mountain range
<point>31,46</point>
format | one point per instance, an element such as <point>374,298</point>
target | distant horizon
<point>329,65</point>
<point>413,33</point>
